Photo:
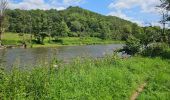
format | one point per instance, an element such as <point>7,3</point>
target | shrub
<point>132,45</point>
<point>155,49</point>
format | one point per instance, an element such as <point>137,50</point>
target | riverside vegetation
<point>74,25</point>
<point>71,26</point>
<point>17,39</point>
<point>108,78</point>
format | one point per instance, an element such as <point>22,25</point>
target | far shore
<point>13,40</point>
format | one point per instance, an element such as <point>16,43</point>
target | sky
<point>142,12</point>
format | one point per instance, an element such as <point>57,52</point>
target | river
<point>32,56</point>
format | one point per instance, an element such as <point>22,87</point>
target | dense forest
<point>72,22</point>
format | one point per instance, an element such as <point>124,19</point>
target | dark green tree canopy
<point>74,21</point>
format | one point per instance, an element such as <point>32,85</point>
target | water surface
<point>31,56</point>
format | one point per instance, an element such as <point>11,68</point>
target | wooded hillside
<point>72,22</point>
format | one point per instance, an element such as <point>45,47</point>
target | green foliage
<point>76,26</point>
<point>127,31</point>
<point>108,78</point>
<point>133,45</point>
<point>150,35</point>
<point>166,36</point>
<point>61,31</point>
<point>64,29</point>
<point>40,37</point>
<point>148,43</point>
<point>159,87</point>
<point>73,22</point>
<point>155,49</point>
<point>104,31</point>
<point>137,31</point>
<point>15,39</point>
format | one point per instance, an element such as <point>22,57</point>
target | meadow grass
<point>109,78</point>
<point>86,40</point>
<point>15,39</point>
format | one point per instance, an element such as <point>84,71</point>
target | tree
<point>165,4</point>
<point>127,29</point>
<point>136,30</point>
<point>3,7</point>
<point>49,28</point>
<point>104,30</point>
<point>40,26</point>
<point>105,33</point>
<point>164,8</point>
<point>61,30</point>
<point>76,26</point>
<point>149,35</point>
<point>133,45</point>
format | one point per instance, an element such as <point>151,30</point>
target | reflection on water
<point>30,56</point>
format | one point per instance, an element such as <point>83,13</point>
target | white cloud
<point>71,1</point>
<point>29,4</point>
<point>42,4</point>
<point>120,14</point>
<point>145,5</point>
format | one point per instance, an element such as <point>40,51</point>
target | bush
<point>155,49</point>
<point>132,45</point>
<point>72,34</point>
<point>151,49</point>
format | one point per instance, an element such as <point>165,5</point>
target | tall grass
<point>109,78</point>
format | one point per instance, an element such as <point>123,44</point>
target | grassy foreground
<point>15,39</point>
<point>109,78</point>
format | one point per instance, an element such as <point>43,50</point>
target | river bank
<point>108,78</point>
<point>14,39</point>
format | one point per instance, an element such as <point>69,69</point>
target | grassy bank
<point>15,39</point>
<point>109,78</point>
<point>73,41</point>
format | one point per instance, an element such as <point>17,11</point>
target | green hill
<point>72,22</point>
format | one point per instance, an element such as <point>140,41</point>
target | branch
<point>3,6</point>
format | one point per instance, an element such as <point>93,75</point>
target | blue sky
<point>139,11</point>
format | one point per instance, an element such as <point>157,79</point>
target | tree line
<point>72,22</point>
<point>78,22</point>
